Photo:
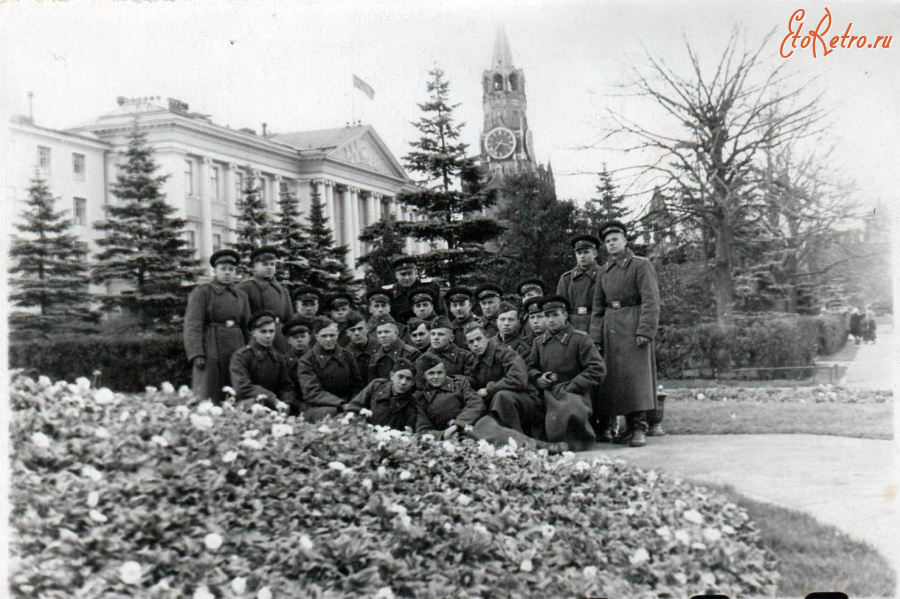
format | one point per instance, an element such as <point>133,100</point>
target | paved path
<point>848,483</point>
<point>875,365</point>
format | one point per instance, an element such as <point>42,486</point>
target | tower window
<point>498,82</point>
<point>513,82</point>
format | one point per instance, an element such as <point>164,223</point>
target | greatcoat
<point>454,402</point>
<point>258,370</point>
<point>215,326</point>
<point>626,304</point>
<point>328,380</point>
<point>270,295</point>
<point>577,286</point>
<point>388,409</point>
<point>382,361</point>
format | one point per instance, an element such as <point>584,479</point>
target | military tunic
<point>363,355</point>
<point>456,360</point>
<point>270,295</point>
<point>512,400</point>
<point>630,384</point>
<point>258,370</point>
<point>454,402</point>
<point>388,409</point>
<point>459,333</point>
<point>382,361</point>
<point>401,307</point>
<point>328,380</point>
<point>577,286</point>
<point>516,343</point>
<point>215,326</point>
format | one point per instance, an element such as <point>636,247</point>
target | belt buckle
<point>582,310</point>
<point>616,305</point>
<point>229,323</point>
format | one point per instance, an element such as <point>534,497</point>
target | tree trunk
<point>722,272</point>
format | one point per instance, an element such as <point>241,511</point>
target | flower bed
<point>817,394</point>
<point>157,495</point>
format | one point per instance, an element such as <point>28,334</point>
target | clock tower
<point>506,145</point>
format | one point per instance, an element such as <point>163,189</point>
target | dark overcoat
<point>328,381</point>
<point>258,370</point>
<point>454,402</point>
<point>401,307</point>
<point>363,355</point>
<point>459,333</point>
<point>517,343</point>
<point>383,359</point>
<point>577,286</point>
<point>215,326</point>
<point>456,360</point>
<point>270,295</point>
<point>630,383</point>
<point>388,409</point>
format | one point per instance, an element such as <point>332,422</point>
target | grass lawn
<point>816,557</point>
<point>863,420</point>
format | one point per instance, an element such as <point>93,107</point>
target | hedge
<point>761,341</point>
<point>125,363</point>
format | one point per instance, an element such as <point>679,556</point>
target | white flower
<point>251,444</point>
<point>405,475</point>
<point>239,585</point>
<point>367,484</point>
<point>229,391</point>
<point>384,593</point>
<point>183,391</point>
<point>264,593</point>
<point>693,516</point>
<point>664,532</point>
<point>325,429</point>
<point>202,592</point>
<point>682,536</point>
<point>427,436</point>
<point>698,546</point>
<point>150,390</point>
<point>97,516</point>
<point>397,508</point>
<point>124,416</point>
<point>680,578</point>
<point>701,397</point>
<point>103,396</point>
<point>486,448</point>
<point>365,412</point>
<point>167,387</point>
<point>257,409</point>
<point>708,578</point>
<point>204,463</point>
<point>711,535</point>
<point>93,499</point>
<point>282,430</point>
<point>130,572</point>
<point>449,446</point>
<point>242,472</point>
<point>512,443</point>
<point>548,531</point>
<point>526,565</point>
<point>91,473</point>
<point>229,457</point>
<point>464,499</point>
<point>67,535</point>
<point>202,423</point>
<point>182,411</point>
<point>213,541</point>
<point>40,440</point>
<point>603,472</point>
<point>83,383</point>
<point>339,466</point>
<point>567,455</point>
<point>581,466</point>
<point>204,407</point>
<point>281,406</point>
<point>728,529</point>
<point>590,572</point>
<point>381,471</point>
<point>44,381</point>
<point>306,543</point>
<point>639,557</point>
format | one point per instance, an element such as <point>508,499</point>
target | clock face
<point>500,143</point>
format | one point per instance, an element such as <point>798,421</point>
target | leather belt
<point>227,324</point>
<point>623,303</point>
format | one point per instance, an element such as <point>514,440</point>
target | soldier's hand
<point>450,432</point>
<point>641,340</point>
<point>544,381</point>
<point>482,392</point>
<point>199,362</point>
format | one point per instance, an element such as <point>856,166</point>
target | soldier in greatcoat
<point>298,334</point>
<point>457,361</point>
<point>391,348</point>
<point>624,321</point>
<point>259,373</point>
<point>419,336</point>
<point>328,373</point>
<point>407,275</point>
<point>488,296</point>
<point>459,300</point>
<point>361,345</point>
<point>215,326</point>
<point>509,333</point>
<point>577,285</point>
<point>266,293</point>
<point>391,400</point>
<point>446,404</point>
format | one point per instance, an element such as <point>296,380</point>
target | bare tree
<point>709,161</point>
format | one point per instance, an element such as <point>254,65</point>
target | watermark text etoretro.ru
<point>817,40</point>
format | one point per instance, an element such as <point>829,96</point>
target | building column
<point>205,243</point>
<point>328,200</point>
<point>347,222</point>
<point>276,193</point>
<point>373,203</point>
<point>357,213</point>
<point>230,202</point>
<point>304,195</point>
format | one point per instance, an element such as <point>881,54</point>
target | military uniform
<point>258,370</point>
<point>363,355</point>
<point>516,343</point>
<point>328,380</point>
<point>401,306</point>
<point>383,359</point>
<point>388,409</point>
<point>512,400</point>
<point>577,286</point>
<point>454,402</point>
<point>459,333</point>
<point>270,295</point>
<point>456,360</point>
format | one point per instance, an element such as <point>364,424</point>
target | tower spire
<point>502,59</point>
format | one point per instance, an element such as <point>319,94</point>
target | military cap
<point>261,317</point>
<point>528,284</point>
<point>226,256</point>
<point>533,305</point>
<point>298,324</point>
<point>507,307</point>
<point>384,319</point>
<point>266,252</point>
<point>582,242</point>
<point>403,364</point>
<point>414,323</point>
<point>378,295</point>
<point>308,292</point>
<point>322,322</point>
<point>353,318</point>
<point>339,300</point>
<point>488,290</point>
<point>427,361</point>
<point>459,294</point>
<point>441,322</point>
<point>403,263</point>
<point>471,326</point>
<point>554,302</point>
<point>422,294</point>
<point>613,226</point>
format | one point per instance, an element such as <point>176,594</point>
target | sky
<point>290,64</point>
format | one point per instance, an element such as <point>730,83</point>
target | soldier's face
<point>265,269</point>
<point>489,306</point>
<point>299,342</point>
<point>508,323</point>
<point>386,334</point>
<point>340,314</point>
<point>585,257</point>
<point>532,293</point>
<point>436,375</point>
<point>308,308</point>
<point>441,338</point>
<point>379,309</point>
<point>556,319</point>
<point>327,337</point>
<point>402,381</point>
<point>476,341</point>
<point>358,334</point>
<point>423,310</point>
<point>264,334</point>
<point>615,243</point>
<point>538,322</point>
<point>407,277</point>
<point>420,337</point>
<point>226,272</point>
<point>461,310</point>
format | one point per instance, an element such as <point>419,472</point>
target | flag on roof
<point>363,87</point>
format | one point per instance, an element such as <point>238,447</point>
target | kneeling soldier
<point>391,401</point>
<point>258,372</point>
<point>328,373</point>
<point>447,404</point>
<point>298,333</point>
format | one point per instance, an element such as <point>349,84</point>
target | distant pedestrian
<point>856,325</point>
<point>869,326</point>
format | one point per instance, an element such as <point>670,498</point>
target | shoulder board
<point>388,287</point>
<point>426,280</point>
<point>577,332</point>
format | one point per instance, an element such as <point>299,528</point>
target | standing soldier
<point>408,279</point>
<point>215,326</point>
<point>460,301</point>
<point>577,285</point>
<point>265,293</point>
<point>488,296</point>
<point>308,301</point>
<point>624,320</point>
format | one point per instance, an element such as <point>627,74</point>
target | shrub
<point>125,363</point>
<point>817,394</point>
<point>128,496</point>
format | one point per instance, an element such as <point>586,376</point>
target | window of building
<point>262,189</point>
<point>79,210</point>
<point>238,184</point>
<point>188,177</point>
<point>217,242</point>
<point>283,187</point>
<point>214,183</point>
<point>191,239</point>
<point>44,161</point>
<point>78,166</point>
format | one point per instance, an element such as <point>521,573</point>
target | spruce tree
<point>293,242</point>
<point>609,205</point>
<point>328,271</point>
<point>144,245</point>
<point>50,271</point>
<point>384,242</point>
<point>254,224</point>
<point>450,197</point>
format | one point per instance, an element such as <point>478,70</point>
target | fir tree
<point>384,242</point>
<point>451,197</point>
<point>293,243</point>
<point>50,264</point>
<point>254,225</point>
<point>327,268</point>
<point>609,205</point>
<point>144,244</point>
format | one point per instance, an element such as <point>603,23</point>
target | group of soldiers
<point>549,371</point>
